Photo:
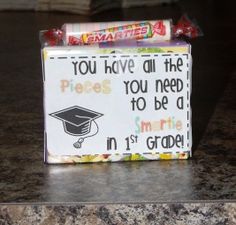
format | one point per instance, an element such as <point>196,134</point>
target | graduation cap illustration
<point>78,121</point>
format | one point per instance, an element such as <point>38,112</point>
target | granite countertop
<point>201,190</point>
<point>197,191</point>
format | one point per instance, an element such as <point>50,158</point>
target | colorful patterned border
<point>53,159</point>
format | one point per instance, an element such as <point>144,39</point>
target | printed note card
<point>120,105</point>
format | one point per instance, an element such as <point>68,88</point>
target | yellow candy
<point>165,156</point>
<point>135,157</point>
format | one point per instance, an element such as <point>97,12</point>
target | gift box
<point>117,102</point>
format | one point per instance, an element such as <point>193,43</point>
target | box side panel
<point>67,158</point>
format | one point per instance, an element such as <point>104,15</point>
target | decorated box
<point>117,102</point>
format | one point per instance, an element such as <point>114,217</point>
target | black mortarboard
<point>76,120</point>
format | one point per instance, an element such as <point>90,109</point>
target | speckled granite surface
<point>209,176</point>
<point>130,214</point>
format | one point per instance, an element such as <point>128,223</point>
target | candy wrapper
<point>92,33</point>
<point>155,30</point>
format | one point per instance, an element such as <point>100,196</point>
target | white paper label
<point>108,104</point>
